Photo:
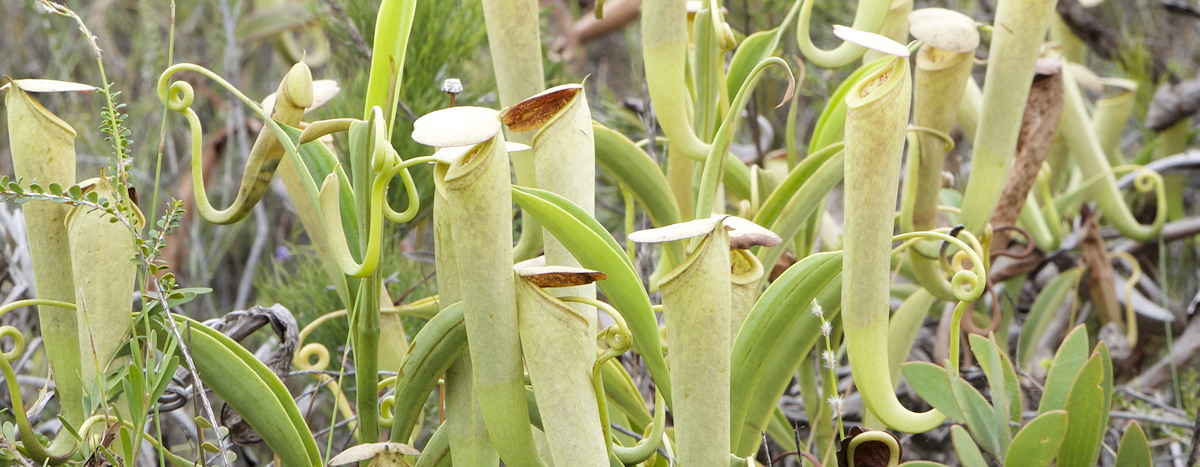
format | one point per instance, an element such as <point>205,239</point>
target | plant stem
<point>1020,29</point>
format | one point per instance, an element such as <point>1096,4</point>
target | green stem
<point>869,17</point>
<point>516,51</point>
<point>1093,164</point>
<point>1020,29</point>
<point>940,81</point>
<point>665,46</point>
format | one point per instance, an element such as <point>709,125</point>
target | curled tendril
<point>946,139</point>
<point>1025,235</point>
<point>1131,330</point>
<point>632,455</point>
<point>18,343</point>
<point>18,339</point>
<point>305,355</point>
<point>1145,181</point>
<point>619,339</point>
<point>304,362</point>
<point>967,284</point>
<point>386,417</point>
<point>180,96</point>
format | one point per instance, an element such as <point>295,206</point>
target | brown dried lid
<point>744,234</point>
<point>558,276</point>
<point>540,109</point>
<point>944,29</point>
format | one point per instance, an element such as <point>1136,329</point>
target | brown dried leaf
<point>1100,275</point>
<point>1037,134</point>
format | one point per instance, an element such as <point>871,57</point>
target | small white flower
<point>826,328</point>
<point>828,359</point>
<point>837,404</point>
<point>817,310</point>
<point>452,86</point>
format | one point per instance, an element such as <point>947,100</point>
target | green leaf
<point>989,357</point>
<point>630,165</point>
<point>968,451</point>
<point>979,416</point>
<point>1067,362</point>
<point>431,352</point>
<point>1037,443</point>
<point>595,249</point>
<point>1087,405</point>
<point>250,388</point>
<point>932,384</point>
<point>755,48</point>
<point>1045,308</point>
<point>777,333</point>
<point>1134,450</point>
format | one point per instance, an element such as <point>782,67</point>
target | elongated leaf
<point>765,329</point>
<point>630,165</point>
<point>432,351</point>
<point>933,384</point>
<point>1044,308</point>
<point>1134,450</point>
<point>1037,443</point>
<point>1067,362</point>
<point>595,249</point>
<point>799,197</point>
<point>988,354</point>
<point>793,346</point>
<point>252,389</point>
<point>1087,406</point>
<point>979,415</point>
<point>968,451</point>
